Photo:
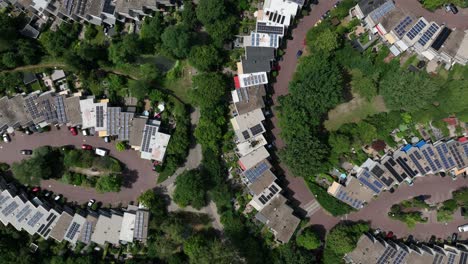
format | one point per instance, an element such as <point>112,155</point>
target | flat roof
<point>128,225</point>
<point>74,230</point>
<point>72,110</point>
<point>253,158</point>
<point>137,126</point>
<point>107,230</point>
<point>463,49</point>
<point>252,144</point>
<point>154,144</point>
<point>58,232</point>
<point>280,219</point>
<point>265,180</point>
<point>249,98</point>
<point>141,225</point>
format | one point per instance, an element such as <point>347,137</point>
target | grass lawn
<point>354,111</point>
<point>36,86</point>
<point>179,80</point>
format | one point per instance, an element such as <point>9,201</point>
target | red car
<point>73,131</point>
<point>86,147</point>
<point>389,234</point>
<point>36,189</point>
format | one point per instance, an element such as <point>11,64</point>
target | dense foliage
<point>342,239</point>
<point>190,189</point>
<point>308,239</point>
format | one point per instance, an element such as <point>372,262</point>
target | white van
<point>463,228</point>
<point>101,152</point>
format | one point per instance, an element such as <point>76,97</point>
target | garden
<point>71,166</point>
<point>410,211</point>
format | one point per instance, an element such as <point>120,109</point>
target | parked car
<point>35,189</point>
<point>73,131</point>
<point>6,137</point>
<point>27,131</point>
<point>107,139</point>
<point>389,235</point>
<point>298,54</point>
<point>26,152</point>
<point>101,152</point>
<point>85,132</point>
<point>86,147</point>
<point>454,238</point>
<point>451,8</point>
<point>91,202</point>
<point>463,228</point>
<point>57,197</point>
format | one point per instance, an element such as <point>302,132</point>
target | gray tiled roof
<point>257,59</point>
<point>367,6</point>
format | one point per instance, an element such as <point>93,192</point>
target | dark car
<point>389,235</point>
<point>454,238</point>
<point>86,147</point>
<point>298,54</point>
<point>26,152</point>
<point>432,240</point>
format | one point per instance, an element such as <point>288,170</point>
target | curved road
<point>376,211</point>
<point>138,177</point>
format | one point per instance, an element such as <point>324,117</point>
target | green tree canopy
<point>363,85</point>
<point>190,189</point>
<point>341,240</point>
<point>408,91</point>
<point>151,31</point>
<point>453,96</point>
<point>176,40</point>
<point>111,183</point>
<point>308,239</point>
<point>126,50</point>
<point>214,15</point>
<point>208,89</point>
<point>205,58</point>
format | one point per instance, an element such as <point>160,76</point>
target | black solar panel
<point>257,129</point>
<point>253,173</point>
<point>416,29</point>
<point>245,134</point>
<point>99,116</point>
<point>147,134</point>
<point>72,230</point>
<point>262,27</point>
<point>439,41</point>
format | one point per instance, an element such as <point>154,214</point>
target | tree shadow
<point>129,177</point>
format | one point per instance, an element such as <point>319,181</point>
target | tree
<point>138,89</point>
<point>150,73</point>
<point>190,189</point>
<point>214,15</point>
<point>155,203</point>
<point>453,96</point>
<point>291,254</point>
<point>341,240</point>
<point>308,239</point>
<point>364,86</point>
<point>151,31</point>
<point>126,50</point>
<point>29,52</point>
<point>339,143</point>
<point>10,60</point>
<point>327,41</point>
<point>201,250</point>
<point>407,91</point>
<point>189,16</point>
<point>90,32</point>
<point>120,146</point>
<point>111,183</point>
<point>208,89</point>
<point>205,58</point>
<point>176,41</point>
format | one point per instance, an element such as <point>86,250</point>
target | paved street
<point>138,177</point>
<point>439,189</point>
<point>459,21</point>
<point>288,67</point>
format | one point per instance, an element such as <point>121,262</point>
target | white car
<point>101,152</point>
<point>6,138</point>
<point>463,228</point>
<point>58,197</point>
<point>91,202</point>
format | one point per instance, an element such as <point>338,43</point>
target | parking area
<point>138,175</point>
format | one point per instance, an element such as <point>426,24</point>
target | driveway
<point>439,189</point>
<point>288,66</point>
<point>138,176</point>
<point>459,21</point>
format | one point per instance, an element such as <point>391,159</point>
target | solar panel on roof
<point>254,173</point>
<point>36,217</point>
<point>257,129</point>
<point>87,231</point>
<point>416,29</point>
<point>382,10</point>
<point>262,27</point>
<point>10,208</point>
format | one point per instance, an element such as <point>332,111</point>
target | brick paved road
<point>288,67</point>
<point>138,177</point>
<point>459,21</point>
<point>439,189</point>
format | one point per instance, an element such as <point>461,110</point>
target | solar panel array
<point>72,230</point>
<point>87,231</point>
<point>415,160</point>
<point>416,29</point>
<point>382,10</point>
<point>99,116</point>
<point>438,259</point>
<point>81,7</point>
<point>36,217</point>
<point>274,40</point>
<point>379,173</point>
<point>254,173</point>
<point>389,165</point>
<point>263,27</point>
<point>275,17</point>
<point>60,109</point>
<point>257,129</point>
<point>428,34</point>
<point>429,160</point>
<point>113,120</point>
<point>45,229</point>
<point>264,199</point>
<point>124,129</point>
<point>25,211</point>
<point>10,208</point>
<point>31,105</point>
<point>463,258</point>
<point>343,196</point>
<point>451,259</point>
<point>69,6</point>
<point>456,154</point>
<point>48,110</point>
<point>245,134</point>
<point>255,37</point>
<point>139,225</point>
<point>400,257</point>
<point>389,253</point>
<point>149,132</point>
<point>402,162</point>
<point>465,149</point>
<point>254,79</point>
<point>400,29</point>
<point>367,179</point>
<point>442,156</point>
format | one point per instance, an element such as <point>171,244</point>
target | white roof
<point>74,230</point>
<point>248,120</point>
<point>235,96</point>
<point>128,225</point>
<point>395,51</point>
<point>252,79</point>
<point>254,157</point>
<point>90,114</point>
<point>252,144</point>
<point>57,75</point>
<point>158,144</point>
<point>107,230</point>
<point>262,40</point>
<point>285,8</point>
<point>462,52</point>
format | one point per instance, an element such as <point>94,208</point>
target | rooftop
<point>367,6</point>
<point>72,110</point>
<point>280,219</point>
<point>257,59</point>
<point>107,230</point>
<point>154,143</point>
<point>128,225</point>
<point>248,125</point>
<point>136,130</point>
<point>254,157</point>
<point>249,99</point>
<point>58,232</point>
<point>250,145</point>
<point>265,180</point>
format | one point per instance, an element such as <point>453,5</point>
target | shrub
<point>308,239</point>
<point>328,202</point>
<point>121,146</point>
<point>111,183</point>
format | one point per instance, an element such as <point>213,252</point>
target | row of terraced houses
<point>248,110</point>
<point>61,223</point>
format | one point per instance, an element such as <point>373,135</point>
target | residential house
<point>107,229</point>
<point>352,193</point>
<point>257,59</point>
<point>253,158</point>
<point>137,127</point>
<point>251,79</point>
<point>248,99</point>
<point>266,40</point>
<point>248,125</point>
<point>154,143</point>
